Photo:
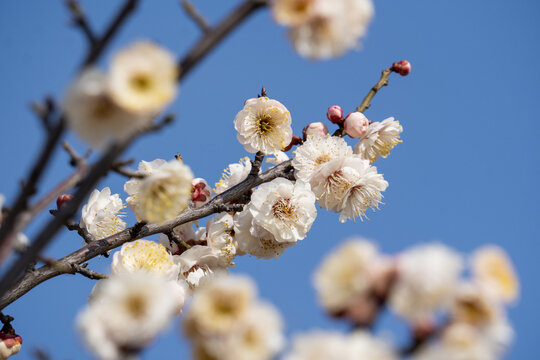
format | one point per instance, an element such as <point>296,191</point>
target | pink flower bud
<point>316,128</point>
<point>402,67</point>
<point>201,192</point>
<point>335,114</point>
<point>356,124</point>
<point>10,344</point>
<point>62,200</point>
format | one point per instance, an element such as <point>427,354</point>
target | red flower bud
<point>335,114</point>
<point>62,200</point>
<point>402,67</point>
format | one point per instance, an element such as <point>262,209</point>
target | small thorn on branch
<point>79,19</point>
<point>44,111</point>
<point>196,16</point>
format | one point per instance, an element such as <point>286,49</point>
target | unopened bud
<point>316,128</point>
<point>335,114</point>
<point>62,200</point>
<point>356,124</point>
<point>201,192</point>
<point>402,67</point>
<point>10,344</point>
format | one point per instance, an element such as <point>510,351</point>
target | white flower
<point>333,27</point>
<point>132,186</point>
<point>218,305</point>
<point>317,151</point>
<point>10,344</point>
<point>257,336</point>
<point>129,310</point>
<point>318,345</point>
<point>199,263</point>
<point>284,209</point>
<point>220,237</point>
<point>278,158</point>
<point>363,345</point>
<point>163,194</point>
<point>345,274</point>
<point>94,116</point>
<point>493,270</point>
<point>263,125</point>
<point>143,78</point>
<point>254,240</point>
<point>102,215</point>
<point>233,175</point>
<point>380,138</point>
<point>293,12</point>
<point>145,255</point>
<point>427,279</point>
<point>348,185</point>
<point>184,232</point>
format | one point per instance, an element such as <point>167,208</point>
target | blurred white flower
<point>293,12</point>
<point>330,28</point>
<point>318,345</point>
<point>128,311</point>
<point>263,125</point>
<point>218,305</point>
<point>143,78</point>
<point>94,116</point>
<point>493,270</point>
<point>348,185</point>
<point>163,194</point>
<point>254,240</point>
<point>363,345</point>
<point>284,209</point>
<point>316,151</point>
<point>426,281</point>
<point>133,185</point>
<point>345,274</point>
<point>102,215</point>
<point>380,138</point>
<point>233,175</point>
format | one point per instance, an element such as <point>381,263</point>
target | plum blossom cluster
<point>226,321</point>
<point>322,29</point>
<point>423,285</point>
<point>102,108</point>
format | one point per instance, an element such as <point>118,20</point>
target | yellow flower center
<point>141,82</point>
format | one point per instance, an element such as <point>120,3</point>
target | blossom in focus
<point>102,215</point>
<point>220,237</point>
<point>94,116</point>
<point>10,344</point>
<point>201,192</point>
<point>426,281</point>
<point>263,125</point>
<point>333,27</point>
<point>348,185</point>
<point>380,138</point>
<point>345,274</point>
<point>316,151</point>
<point>278,158</point>
<point>163,194</point>
<point>143,78</point>
<point>233,175</point>
<point>198,264</point>
<point>284,209</point>
<point>128,311</point>
<point>493,270</point>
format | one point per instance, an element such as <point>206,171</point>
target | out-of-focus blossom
<point>293,12</point>
<point>102,215</point>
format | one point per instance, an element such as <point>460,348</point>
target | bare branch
<point>195,15</point>
<point>91,274</point>
<point>79,19</point>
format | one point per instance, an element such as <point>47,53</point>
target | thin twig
<point>73,226</point>
<point>196,16</point>
<point>79,19</point>
<point>91,274</point>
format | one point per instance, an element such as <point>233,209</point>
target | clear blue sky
<point>467,172</point>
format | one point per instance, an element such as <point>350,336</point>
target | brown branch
<point>138,231</point>
<point>91,274</point>
<point>214,37</point>
<point>79,19</point>
<point>196,16</point>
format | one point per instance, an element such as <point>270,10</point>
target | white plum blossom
<point>278,158</point>
<point>233,175</point>
<point>102,215</point>
<point>263,125</point>
<point>163,193</point>
<point>493,270</point>
<point>199,263</point>
<point>318,345</point>
<point>316,151</point>
<point>426,281</point>
<point>330,27</point>
<point>10,344</point>
<point>348,185</point>
<point>284,209</point>
<point>184,232</point>
<point>143,78</point>
<point>345,274</point>
<point>254,240</point>
<point>220,237</point>
<point>363,345</point>
<point>293,12</point>
<point>380,138</point>
<point>145,255</point>
<point>93,115</point>
<point>128,311</point>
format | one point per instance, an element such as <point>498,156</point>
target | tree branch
<point>138,231</point>
<point>192,12</point>
<point>79,19</point>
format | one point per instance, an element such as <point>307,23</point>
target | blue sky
<point>466,173</point>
